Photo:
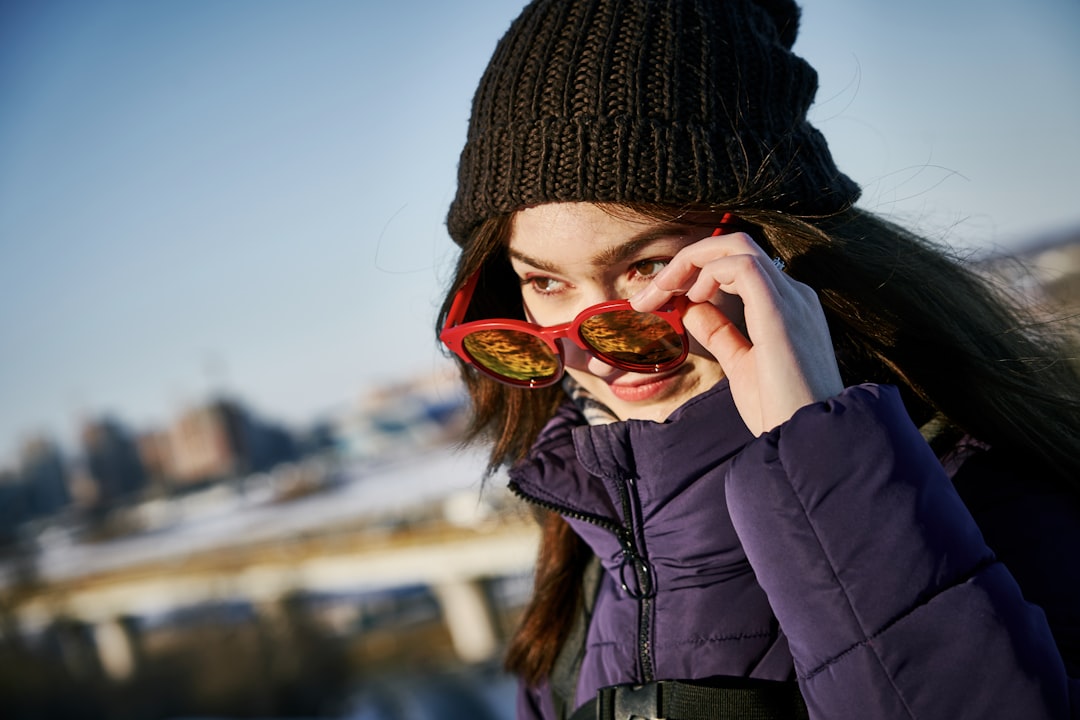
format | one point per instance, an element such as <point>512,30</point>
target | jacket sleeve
<point>892,602</point>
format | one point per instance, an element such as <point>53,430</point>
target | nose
<point>579,359</point>
<point>575,357</point>
<point>599,368</point>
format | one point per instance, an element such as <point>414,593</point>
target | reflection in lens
<point>512,354</point>
<point>632,337</point>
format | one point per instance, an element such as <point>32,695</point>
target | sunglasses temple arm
<point>462,300</point>
<point>725,222</point>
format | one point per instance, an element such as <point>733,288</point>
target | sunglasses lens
<point>632,338</point>
<point>512,354</point>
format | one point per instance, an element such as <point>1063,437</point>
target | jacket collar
<point>570,456</point>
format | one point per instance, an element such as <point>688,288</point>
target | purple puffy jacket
<point>835,550</point>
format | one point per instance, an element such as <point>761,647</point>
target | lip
<point>645,388</point>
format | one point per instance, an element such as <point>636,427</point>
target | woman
<point>790,459</point>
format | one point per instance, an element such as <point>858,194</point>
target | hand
<point>781,358</point>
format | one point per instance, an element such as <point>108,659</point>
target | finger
<point>650,298</point>
<point>706,249</point>
<point>740,275</point>
<point>717,333</point>
<point>684,272</point>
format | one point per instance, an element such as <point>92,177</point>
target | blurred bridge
<point>420,521</point>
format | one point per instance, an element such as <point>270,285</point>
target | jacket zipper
<point>629,538</point>
<point>646,587</point>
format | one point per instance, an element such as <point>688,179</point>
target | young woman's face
<point>570,256</point>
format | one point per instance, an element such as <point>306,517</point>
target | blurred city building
<point>111,459</point>
<point>213,442</point>
<point>44,477</point>
<point>206,443</point>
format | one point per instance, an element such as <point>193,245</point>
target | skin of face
<point>569,256</point>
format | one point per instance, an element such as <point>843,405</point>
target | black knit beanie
<point>658,101</point>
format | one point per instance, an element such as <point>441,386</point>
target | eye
<point>649,268</point>
<point>543,285</point>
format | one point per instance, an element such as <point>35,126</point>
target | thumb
<point>707,324</point>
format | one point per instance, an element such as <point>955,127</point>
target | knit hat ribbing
<point>660,101</point>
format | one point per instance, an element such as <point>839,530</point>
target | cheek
<point>536,312</point>
<point>539,315</point>
<point>575,357</point>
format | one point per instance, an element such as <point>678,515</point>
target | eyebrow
<point>615,254</point>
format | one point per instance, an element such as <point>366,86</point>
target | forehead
<point>555,223</point>
<point>561,234</point>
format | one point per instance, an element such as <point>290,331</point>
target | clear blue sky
<point>249,195</point>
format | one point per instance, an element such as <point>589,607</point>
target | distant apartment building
<point>111,460</point>
<point>205,443</point>
<point>38,487</point>
<point>44,477</point>
<point>154,454</point>
<point>211,442</point>
<point>12,505</point>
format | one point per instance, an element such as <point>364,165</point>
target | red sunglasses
<point>525,354</point>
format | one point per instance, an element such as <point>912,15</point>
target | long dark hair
<point>901,310</point>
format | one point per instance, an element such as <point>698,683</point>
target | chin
<point>653,400</point>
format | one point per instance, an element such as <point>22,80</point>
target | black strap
<point>711,699</point>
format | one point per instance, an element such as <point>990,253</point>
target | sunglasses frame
<point>453,334</point>
<point>455,331</point>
